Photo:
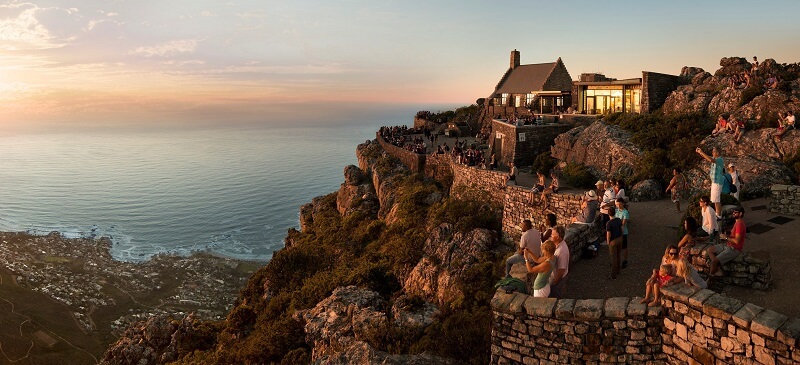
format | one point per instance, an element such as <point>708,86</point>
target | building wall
<point>559,80</point>
<point>656,87</point>
<point>695,326</point>
<point>538,139</point>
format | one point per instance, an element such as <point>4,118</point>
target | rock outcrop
<point>448,256</point>
<point>757,157</point>
<point>356,193</point>
<point>385,175</point>
<point>603,148</point>
<point>159,340</point>
<point>341,327</point>
<point>646,190</point>
<point>715,95</point>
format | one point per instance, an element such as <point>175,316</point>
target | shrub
<point>578,176</point>
<point>543,162</point>
<point>681,153</point>
<point>464,336</point>
<point>465,214</point>
<point>651,166</point>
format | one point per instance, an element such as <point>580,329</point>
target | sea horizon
<point>228,189</point>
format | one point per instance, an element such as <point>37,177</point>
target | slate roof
<point>526,78</point>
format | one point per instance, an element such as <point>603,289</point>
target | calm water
<point>231,190</point>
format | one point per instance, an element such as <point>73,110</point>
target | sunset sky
<point>256,60</point>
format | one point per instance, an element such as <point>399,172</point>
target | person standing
<point>709,224</point>
<point>737,181</point>
<point>614,239</point>
<point>717,175</point>
<point>559,278</point>
<point>607,202</point>
<point>624,216</point>
<point>530,239</point>
<point>677,186</point>
<point>543,266</point>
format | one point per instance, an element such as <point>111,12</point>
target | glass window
<point>529,100</point>
<point>504,99</point>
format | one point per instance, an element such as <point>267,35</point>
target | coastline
<point>81,279</point>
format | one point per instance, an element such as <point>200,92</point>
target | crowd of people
<point>755,76</point>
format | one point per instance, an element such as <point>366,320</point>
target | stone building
<point>543,88</point>
<point>595,93</point>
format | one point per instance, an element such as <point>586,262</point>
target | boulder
<point>158,340</point>
<point>341,326</point>
<point>356,193</point>
<point>448,256</point>
<point>413,314</point>
<point>385,173</point>
<point>604,149</point>
<point>646,190</point>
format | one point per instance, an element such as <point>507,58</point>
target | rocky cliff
<point>715,94</point>
<point>362,282</point>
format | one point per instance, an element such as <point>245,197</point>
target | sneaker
<point>624,264</point>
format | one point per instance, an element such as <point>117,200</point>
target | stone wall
<point>521,144</point>
<point>693,326</point>
<point>751,269</point>
<point>656,87</point>
<point>528,330</point>
<point>785,199</point>
<point>703,327</point>
<point>414,161</point>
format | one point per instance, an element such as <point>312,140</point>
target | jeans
<point>514,259</point>
<point>614,248</point>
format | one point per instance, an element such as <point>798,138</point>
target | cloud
<point>21,29</point>
<point>110,14</point>
<point>167,49</point>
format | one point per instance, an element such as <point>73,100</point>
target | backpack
<point>732,188</point>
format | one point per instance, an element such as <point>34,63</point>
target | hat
<point>599,182</point>
<point>591,195</point>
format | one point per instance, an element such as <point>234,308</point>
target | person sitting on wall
<point>552,189</point>
<point>512,174</point>
<point>538,187</point>
<point>663,278</point>
<point>722,253</point>
<point>589,208</point>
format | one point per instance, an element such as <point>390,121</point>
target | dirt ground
<point>654,225</point>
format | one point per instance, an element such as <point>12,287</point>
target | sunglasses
<point>673,253</point>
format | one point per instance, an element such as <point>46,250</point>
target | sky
<point>140,60</point>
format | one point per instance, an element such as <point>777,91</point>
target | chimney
<point>514,59</point>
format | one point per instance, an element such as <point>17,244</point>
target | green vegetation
<point>577,175</point>
<point>364,251</point>
<point>460,115</point>
<point>544,162</point>
<point>666,141</point>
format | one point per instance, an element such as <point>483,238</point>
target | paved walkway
<point>654,225</point>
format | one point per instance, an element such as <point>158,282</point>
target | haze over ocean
<point>230,189</point>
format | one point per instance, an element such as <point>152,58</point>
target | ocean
<point>232,190</point>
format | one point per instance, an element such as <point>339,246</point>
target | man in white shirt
<point>558,280</point>
<point>531,239</point>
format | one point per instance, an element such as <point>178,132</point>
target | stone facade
<point>693,326</point>
<point>521,144</point>
<point>785,199</point>
<point>656,87</point>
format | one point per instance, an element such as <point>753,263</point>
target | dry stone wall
<point>692,326</point>
<point>703,327</point>
<point>785,199</point>
<point>528,330</point>
<point>750,269</point>
<point>414,161</point>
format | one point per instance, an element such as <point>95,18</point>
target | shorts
<point>725,253</point>
<point>538,188</point>
<point>543,292</point>
<point>512,177</point>
<point>716,191</point>
<point>624,241</point>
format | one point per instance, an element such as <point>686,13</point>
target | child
<point>663,277</point>
<point>686,272</point>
